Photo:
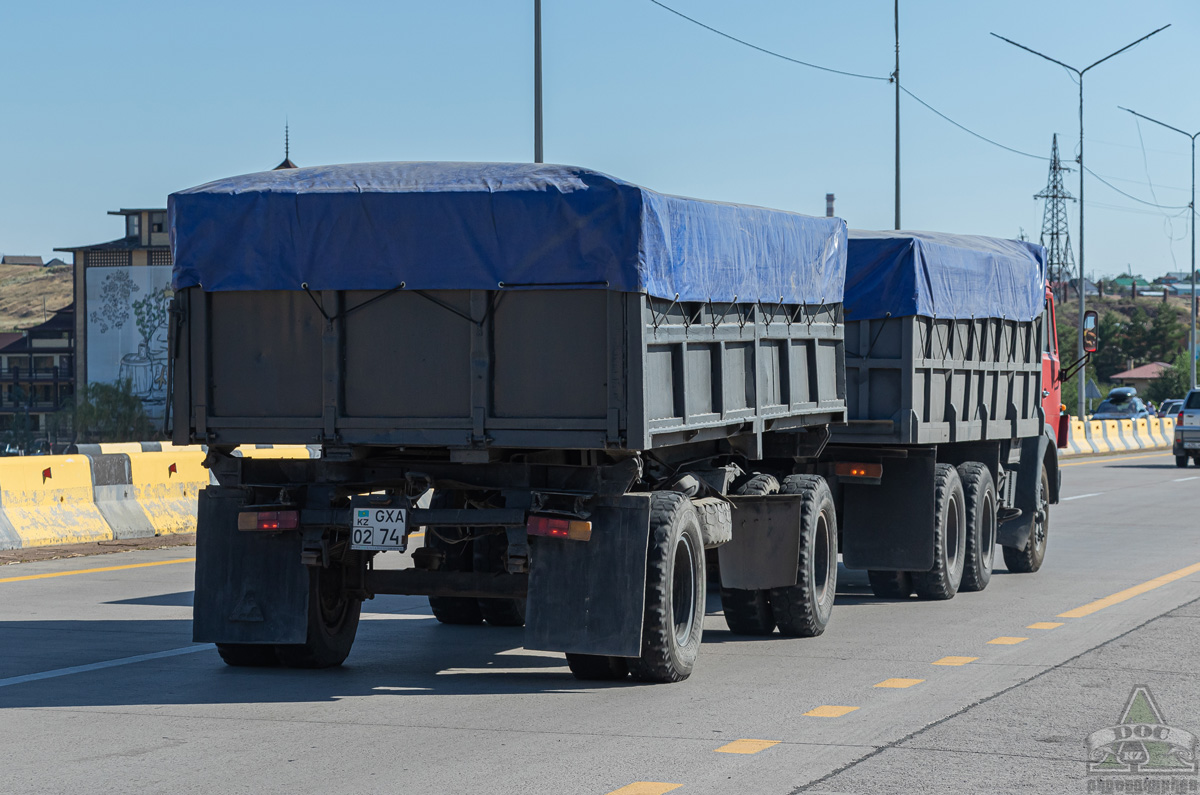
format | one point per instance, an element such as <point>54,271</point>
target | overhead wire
<point>913,96</point>
<point>769,52</point>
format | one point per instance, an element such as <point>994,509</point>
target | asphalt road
<point>102,690</point>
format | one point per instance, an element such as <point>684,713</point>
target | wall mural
<point>127,330</point>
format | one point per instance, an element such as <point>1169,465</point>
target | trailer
<point>573,385</point>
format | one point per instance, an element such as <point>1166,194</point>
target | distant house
<point>56,263</point>
<point>1141,377</point>
<point>9,259</point>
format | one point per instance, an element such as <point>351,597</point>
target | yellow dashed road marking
<point>93,571</point>
<point>1007,641</point>
<point>645,788</point>
<point>1115,460</point>
<point>955,660</point>
<point>746,746</point>
<point>1045,625</point>
<point>829,711</point>
<point>1128,593</point>
<point>899,682</point>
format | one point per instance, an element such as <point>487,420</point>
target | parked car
<point>1122,403</point>
<point>1170,408</point>
<point>1187,431</point>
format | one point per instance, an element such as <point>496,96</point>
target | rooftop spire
<point>287,157</point>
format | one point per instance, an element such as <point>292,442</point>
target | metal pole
<point>1192,313</point>
<point>897,74</point>
<point>1082,353</point>
<point>537,81</point>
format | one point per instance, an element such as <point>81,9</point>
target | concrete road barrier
<point>1099,437</point>
<point>46,500</point>
<point>166,486</point>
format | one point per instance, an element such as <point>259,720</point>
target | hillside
<point>22,289</point>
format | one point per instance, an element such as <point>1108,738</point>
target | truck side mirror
<point>1091,336</point>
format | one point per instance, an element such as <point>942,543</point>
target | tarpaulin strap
<point>493,304</point>
<point>715,321</point>
<point>658,319</point>
<point>355,308</point>
<point>767,321</point>
<point>812,317</point>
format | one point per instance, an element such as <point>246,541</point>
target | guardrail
<point>105,492</point>
<point>1098,437</point>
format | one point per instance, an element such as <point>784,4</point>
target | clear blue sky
<point>109,105</point>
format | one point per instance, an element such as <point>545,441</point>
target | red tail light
<point>558,527</point>
<point>269,520</point>
<point>1179,419</point>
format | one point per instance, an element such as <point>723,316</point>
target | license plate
<point>381,529</point>
<point>1191,445</point>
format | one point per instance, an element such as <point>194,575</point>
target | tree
<point>1173,382</point>
<point>1166,335</point>
<point>1110,356</point>
<point>112,413</point>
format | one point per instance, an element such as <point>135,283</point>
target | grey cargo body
<point>564,369</point>
<point>920,380</point>
<point>966,367</point>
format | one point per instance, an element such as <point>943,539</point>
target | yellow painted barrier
<point>167,485</point>
<point>1112,432</point>
<point>1154,428</point>
<point>276,451</point>
<point>1077,441</point>
<point>1141,433</point>
<point>47,500</point>
<point>1095,434</point>
<point>1168,429</point>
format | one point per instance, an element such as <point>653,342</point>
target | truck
<point>591,398</point>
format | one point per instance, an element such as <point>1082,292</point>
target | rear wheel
<point>890,584</point>
<point>748,612</point>
<point>673,619</point>
<point>949,538</point>
<point>980,496</point>
<point>332,623</point>
<point>596,667</point>
<point>491,556</point>
<point>803,610</point>
<point>1029,559</point>
<point>458,555</point>
<point>1181,461</point>
<point>248,655</point>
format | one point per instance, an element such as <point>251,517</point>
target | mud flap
<point>1015,533</point>
<point>250,586</point>
<point>765,548</point>
<point>889,527</point>
<point>588,597</point>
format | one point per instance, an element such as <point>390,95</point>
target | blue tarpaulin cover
<point>373,226</point>
<point>941,275</point>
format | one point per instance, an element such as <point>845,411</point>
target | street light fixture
<point>537,81</point>
<point>1192,223</point>
<point>1080,73</point>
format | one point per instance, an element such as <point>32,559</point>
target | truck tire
<point>248,655</point>
<point>980,494</point>
<point>491,556</point>
<point>459,556</point>
<point>674,618</point>
<point>332,623</point>
<point>949,538</point>
<point>1029,559</point>
<point>748,612</point>
<point>890,584</point>
<point>597,667</point>
<point>1181,461</point>
<point>803,610</point>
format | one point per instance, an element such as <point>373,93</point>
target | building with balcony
<point>37,374</point>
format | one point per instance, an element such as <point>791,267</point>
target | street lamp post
<point>1080,73</point>
<point>1192,224</point>
<point>537,81</point>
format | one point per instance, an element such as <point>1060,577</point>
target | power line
<point>765,50</point>
<point>966,129</point>
<point>929,107</point>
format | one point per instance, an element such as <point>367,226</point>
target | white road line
<point>79,669</point>
<point>1181,480</point>
<point>1081,496</point>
